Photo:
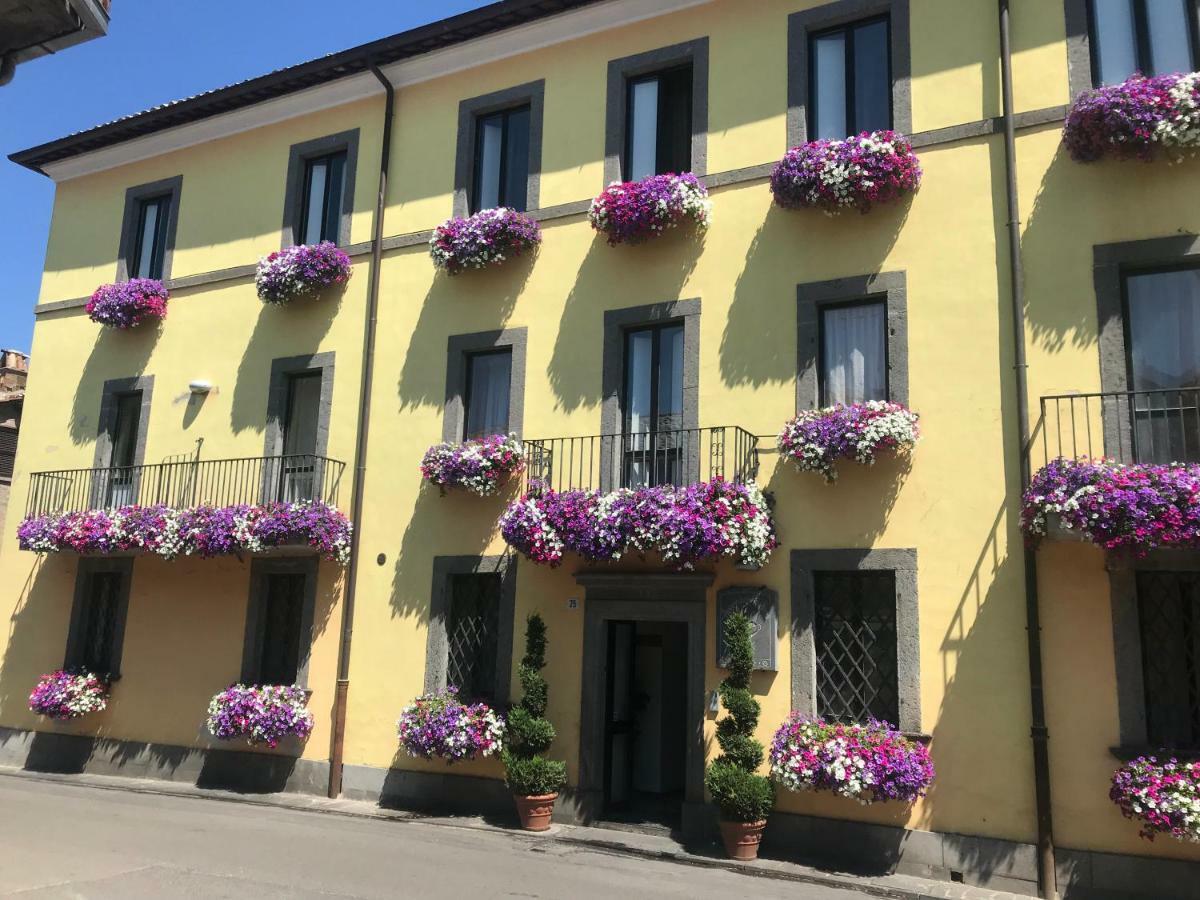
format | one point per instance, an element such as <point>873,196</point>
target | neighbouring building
<point>33,28</point>
<point>14,369</point>
<point>899,591</point>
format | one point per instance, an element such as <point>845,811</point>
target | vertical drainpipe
<point>360,450</point>
<point>1047,886</point>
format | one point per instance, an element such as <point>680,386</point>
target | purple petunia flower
<point>816,439</point>
<point>300,271</point>
<point>1135,119</point>
<point>859,172</point>
<point>634,211</point>
<point>485,239</point>
<point>128,303</point>
<point>262,714</point>
<point>1163,796</point>
<point>440,726</point>
<point>479,466</point>
<point>67,695</point>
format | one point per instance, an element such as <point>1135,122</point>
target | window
<point>851,80</point>
<point>652,436</point>
<point>98,616</point>
<point>472,633</point>
<point>1169,619</point>
<point>121,475</point>
<point>318,200</point>
<point>150,237</point>
<point>324,181</point>
<point>489,379</point>
<point>854,365</point>
<point>279,621</point>
<point>658,132</point>
<point>148,226</point>
<point>1154,37</point>
<point>300,429</point>
<point>299,400</point>
<point>502,160</point>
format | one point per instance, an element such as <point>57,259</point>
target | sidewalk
<point>620,843</point>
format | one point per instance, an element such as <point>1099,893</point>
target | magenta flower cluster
<point>128,303</point>
<point>869,763</point>
<point>440,726</point>
<point>859,172</point>
<point>634,211</point>
<point>479,466</point>
<point>1163,796</point>
<point>1135,119</point>
<point>300,271</point>
<point>68,694</point>
<point>816,439</point>
<point>198,531</point>
<point>485,239</point>
<point>262,714</point>
<point>1133,508</point>
<point>701,522</point>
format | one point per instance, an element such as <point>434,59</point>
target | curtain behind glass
<point>1170,36</point>
<point>854,353</point>
<point>829,85</point>
<point>643,129</point>
<point>1116,40</point>
<point>488,378</point>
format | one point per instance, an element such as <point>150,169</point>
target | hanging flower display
<point>859,172</point>
<point>128,303</point>
<point>707,521</point>
<point>633,211</point>
<point>67,695</point>
<point>440,726</point>
<point>200,531</point>
<point>300,271</point>
<point>816,439</point>
<point>262,714</point>
<point>1163,796</point>
<point>479,466</point>
<point>1136,119</point>
<point>869,763</point>
<point>487,238</point>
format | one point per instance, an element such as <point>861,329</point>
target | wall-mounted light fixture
<point>200,387</point>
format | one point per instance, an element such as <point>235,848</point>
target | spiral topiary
<point>530,734</point>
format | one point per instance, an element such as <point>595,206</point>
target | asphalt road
<point>69,841</point>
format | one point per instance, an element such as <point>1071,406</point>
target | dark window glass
<point>1169,616</point>
<point>653,441</point>
<point>150,239</point>
<point>1153,37</point>
<point>283,611</point>
<point>300,436</point>
<point>854,353</point>
<point>472,632</point>
<point>324,181</point>
<point>658,127</point>
<point>502,160</point>
<point>489,379</point>
<point>97,645</point>
<point>121,476</point>
<point>850,80</point>
<point>856,646</point>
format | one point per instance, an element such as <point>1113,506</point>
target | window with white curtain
<point>1153,37</point>
<point>854,353</point>
<point>489,380</point>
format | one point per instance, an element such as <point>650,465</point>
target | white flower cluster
<point>846,179</point>
<point>480,467</point>
<point>1182,130</point>
<point>1045,506</point>
<point>812,762</point>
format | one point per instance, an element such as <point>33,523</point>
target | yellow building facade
<point>941,529</point>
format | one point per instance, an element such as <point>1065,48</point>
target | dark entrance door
<point>619,722</point>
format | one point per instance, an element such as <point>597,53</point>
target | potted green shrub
<point>534,780</point>
<point>744,797</point>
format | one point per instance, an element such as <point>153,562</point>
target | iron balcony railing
<point>1159,426</point>
<point>188,483</point>
<point>642,459</point>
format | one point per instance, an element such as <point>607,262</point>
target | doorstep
<point>644,844</point>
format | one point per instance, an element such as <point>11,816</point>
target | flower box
<point>702,522</point>
<point>128,303</point>
<point>65,695</point>
<point>860,172</point>
<point>485,239</point>
<point>1141,118</point>
<point>300,271</point>
<point>1163,796</point>
<point>440,726</point>
<point>816,439</point>
<point>262,714</point>
<point>479,466</point>
<point>634,211</point>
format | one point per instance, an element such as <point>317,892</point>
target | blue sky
<point>156,51</point>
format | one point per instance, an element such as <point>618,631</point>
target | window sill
<point>919,736</point>
<point>1127,753</point>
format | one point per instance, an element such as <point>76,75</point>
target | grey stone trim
<point>616,323</point>
<point>437,642</point>
<point>87,567</point>
<point>129,221</point>
<point>107,420</point>
<point>431,792</point>
<point>561,211</point>
<point>761,605</point>
<point>532,94</point>
<point>404,241</point>
<point>277,397</point>
<point>831,15</point>
<point>643,585</point>
<point>908,650</point>
<point>891,287</point>
<point>458,348</point>
<point>619,73</point>
<point>293,201</point>
<point>256,609</point>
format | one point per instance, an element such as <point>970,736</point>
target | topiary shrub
<point>527,772</point>
<point>741,794</point>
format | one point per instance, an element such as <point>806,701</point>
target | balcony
<point>606,462</point>
<point>187,484</point>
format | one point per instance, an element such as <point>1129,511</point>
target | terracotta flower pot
<point>742,839</point>
<point>535,811</point>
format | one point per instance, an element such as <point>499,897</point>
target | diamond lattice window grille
<point>472,635</point>
<point>1169,618</point>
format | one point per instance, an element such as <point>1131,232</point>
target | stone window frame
<point>437,644</point>
<point>282,370</point>
<point>165,187</point>
<point>293,200</point>
<point>531,94</point>
<point>801,25</point>
<point>88,566</point>
<point>903,562</point>
<point>106,422</point>
<point>459,348</point>
<point>620,71</point>
<point>812,297</point>
<point>260,569</point>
